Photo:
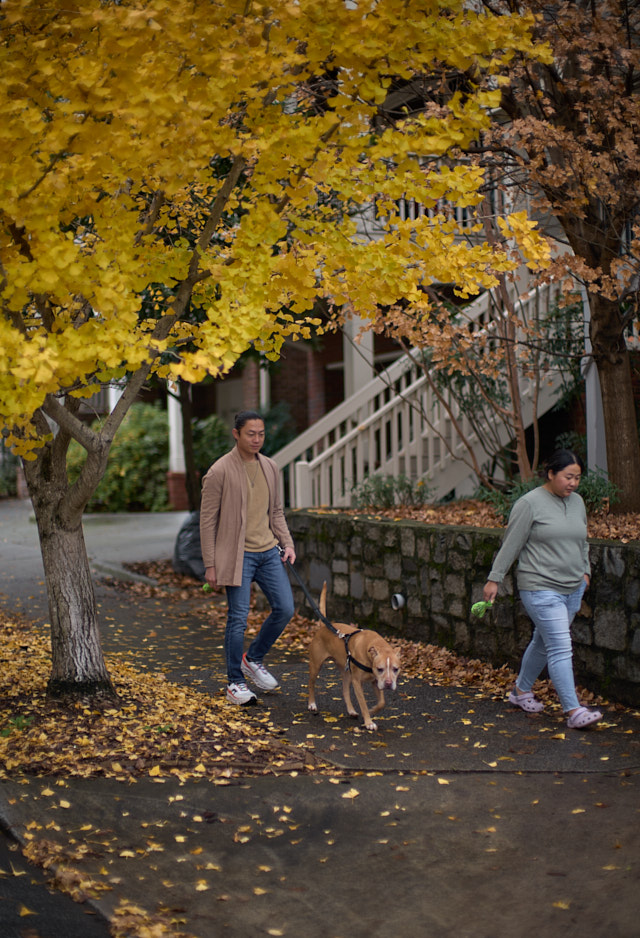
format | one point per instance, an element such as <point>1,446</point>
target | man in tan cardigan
<point>242,527</point>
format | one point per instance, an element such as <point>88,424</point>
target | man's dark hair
<point>245,415</point>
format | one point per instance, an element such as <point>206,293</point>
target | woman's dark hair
<point>244,416</point>
<point>560,460</point>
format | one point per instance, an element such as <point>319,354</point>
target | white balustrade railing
<point>396,425</point>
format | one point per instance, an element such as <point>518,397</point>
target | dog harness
<point>350,658</point>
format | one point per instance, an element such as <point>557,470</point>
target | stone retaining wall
<point>440,571</point>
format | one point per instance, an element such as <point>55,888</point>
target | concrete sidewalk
<point>460,816</point>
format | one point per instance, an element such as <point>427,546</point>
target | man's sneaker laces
<point>256,672</point>
<point>240,694</point>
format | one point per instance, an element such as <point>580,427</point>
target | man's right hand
<point>210,577</point>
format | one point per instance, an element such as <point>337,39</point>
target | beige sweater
<point>223,515</point>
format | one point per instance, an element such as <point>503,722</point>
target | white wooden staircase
<point>395,425</point>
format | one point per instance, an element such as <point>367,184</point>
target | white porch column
<point>114,393</point>
<point>176,447</point>
<point>357,356</point>
<point>264,391</point>
<point>596,439</point>
<point>176,474</point>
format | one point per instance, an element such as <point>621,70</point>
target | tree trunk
<point>612,360</point>
<point>78,666</point>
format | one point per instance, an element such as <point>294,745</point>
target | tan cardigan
<point>223,515</point>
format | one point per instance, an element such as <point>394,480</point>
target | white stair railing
<point>395,425</point>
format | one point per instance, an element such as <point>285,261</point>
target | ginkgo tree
<point>252,125</point>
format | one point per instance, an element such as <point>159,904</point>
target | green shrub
<point>597,491</point>
<point>136,475</point>
<point>211,439</point>
<point>385,491</point>
<point>279,427</point>
<point>8,472</point>
<point>576,442</point>
<point>501,500</point>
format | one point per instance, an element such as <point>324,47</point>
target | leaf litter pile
<point>157,728</point>
<point>602,524</point>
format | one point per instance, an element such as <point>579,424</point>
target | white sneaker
<point>240,694</point>
<point>256,672</point>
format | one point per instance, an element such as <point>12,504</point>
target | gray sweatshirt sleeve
<point>515,537</point>
<point>585,547</point>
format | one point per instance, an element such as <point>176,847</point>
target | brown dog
<point>366,647</point>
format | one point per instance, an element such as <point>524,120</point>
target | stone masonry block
<point>632,594</point>
<point>613,562</point>
<point>390,536</point>
<point>407,543</point>
<point>461,635</point>
<point>464,542</point>
<point>590,660</point>
<point>392,567</point>
<point>627,668</point>
<point>341,586</point>
<point>423,549</point>
<point>319,573</point>
<point>454,585</point>
<point>610,629</point>
<point>440,554</point>
<point>437,598</point>
<point>357,586</point>
<point>581,632</point>
<point>379,590</point>
<point>458,561</point>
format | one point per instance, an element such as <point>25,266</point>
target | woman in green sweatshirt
<point>547,535</point>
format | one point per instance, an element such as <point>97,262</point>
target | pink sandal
<point>581,718</point>
<point>526,702</point>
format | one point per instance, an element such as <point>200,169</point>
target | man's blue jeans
<point>268,571</point>
<point>552,614</point>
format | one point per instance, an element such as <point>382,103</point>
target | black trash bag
<point>187,553</point>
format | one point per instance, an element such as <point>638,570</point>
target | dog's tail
<point>322,605</point>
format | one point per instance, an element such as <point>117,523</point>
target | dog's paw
<point>353,714</point>
<point>371,726</point>
<point>313,708</point>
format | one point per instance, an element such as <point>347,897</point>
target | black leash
<point>312,602</point>
<point>327,623</point>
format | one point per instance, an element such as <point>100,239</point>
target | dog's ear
<point>372,651</point>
